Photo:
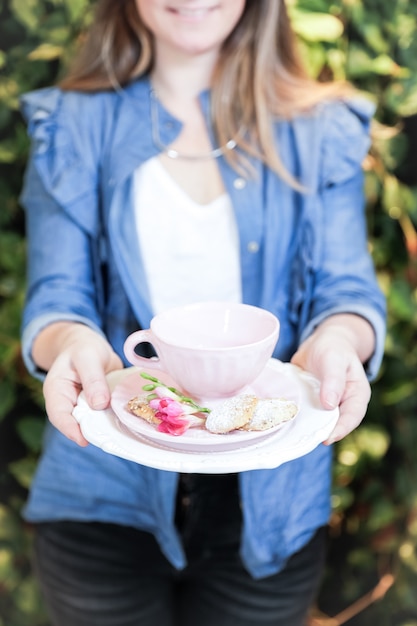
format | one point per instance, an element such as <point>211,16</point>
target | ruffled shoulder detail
<point>38,105</point>
<point>345,139</point>
<point>60,153</point>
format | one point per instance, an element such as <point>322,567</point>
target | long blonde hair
<point>259,75</point>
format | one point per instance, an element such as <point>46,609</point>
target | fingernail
<point>332,399</point>
<point>99,401</point>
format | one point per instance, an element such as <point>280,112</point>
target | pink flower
<point>167,406</point>
<point>169,411</point>
<point>171,428</point>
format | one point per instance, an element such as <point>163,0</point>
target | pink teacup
<point>210,349</point>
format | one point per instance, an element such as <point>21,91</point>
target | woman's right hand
<point>77,358</point>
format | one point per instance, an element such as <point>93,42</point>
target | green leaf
<point>7,524</point>
<point>385,65</point>
<point>150,387</point>
<point>400,392</point>
<point>374,36</point>
<point>314,57</point>
<point>23,470</point>
<point>401,303</point>
<point>77,9</point>
<point>8,151</point>
<point>315,26</point>
<point>46,52</point>
<point>360,63</point>
<point>31,430</point>
<point>401,97</point>
<point>26,596</point>
<point>9,91</point>
<point>26,12</point>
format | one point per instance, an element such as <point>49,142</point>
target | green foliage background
<point>372,43</point>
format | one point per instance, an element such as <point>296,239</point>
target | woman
<point>188,157</point>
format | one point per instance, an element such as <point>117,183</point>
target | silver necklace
<point>174,154</point>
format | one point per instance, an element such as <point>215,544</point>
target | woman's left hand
<point>334,353</point>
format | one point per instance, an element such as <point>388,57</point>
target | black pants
<point>95,574</point>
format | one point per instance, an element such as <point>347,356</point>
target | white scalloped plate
<point>311,426</point>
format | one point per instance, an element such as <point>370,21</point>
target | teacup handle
<point>141,336</point>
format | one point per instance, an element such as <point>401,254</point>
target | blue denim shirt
<point>303,256</point>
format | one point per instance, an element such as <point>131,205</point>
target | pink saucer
<point>269,384</point>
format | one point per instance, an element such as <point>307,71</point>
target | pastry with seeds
<point>140,407</point>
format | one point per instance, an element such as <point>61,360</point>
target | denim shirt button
<point>239,183</point>
<point>253,246</point>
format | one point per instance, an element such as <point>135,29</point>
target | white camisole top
<point>190,251</point>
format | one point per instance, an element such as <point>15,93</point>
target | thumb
<point>332,373</point>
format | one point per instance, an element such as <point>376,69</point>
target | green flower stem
<point>186,400</point>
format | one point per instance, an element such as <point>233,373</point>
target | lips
<point>190,12</point>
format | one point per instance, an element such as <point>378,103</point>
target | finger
<point>93,380</point>
<point>60,400</point>
<point>332,372</point>
<point>352,410</point>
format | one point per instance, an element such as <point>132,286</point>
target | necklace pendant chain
<point>174,154</point>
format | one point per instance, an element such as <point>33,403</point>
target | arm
<point>62,338</point>
<point>343,340</point>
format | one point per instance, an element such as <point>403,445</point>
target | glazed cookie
<point>271,412</point>
<point>232,414</point>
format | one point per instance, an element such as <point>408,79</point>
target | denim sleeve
<point>343,275</point>
<point>60,201</point>
<point>344,278</point>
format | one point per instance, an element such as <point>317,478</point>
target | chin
<point>197,47</point>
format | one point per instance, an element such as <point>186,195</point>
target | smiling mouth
<point>192,13</point>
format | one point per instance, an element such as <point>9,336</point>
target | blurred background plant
<point>372,568</point>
